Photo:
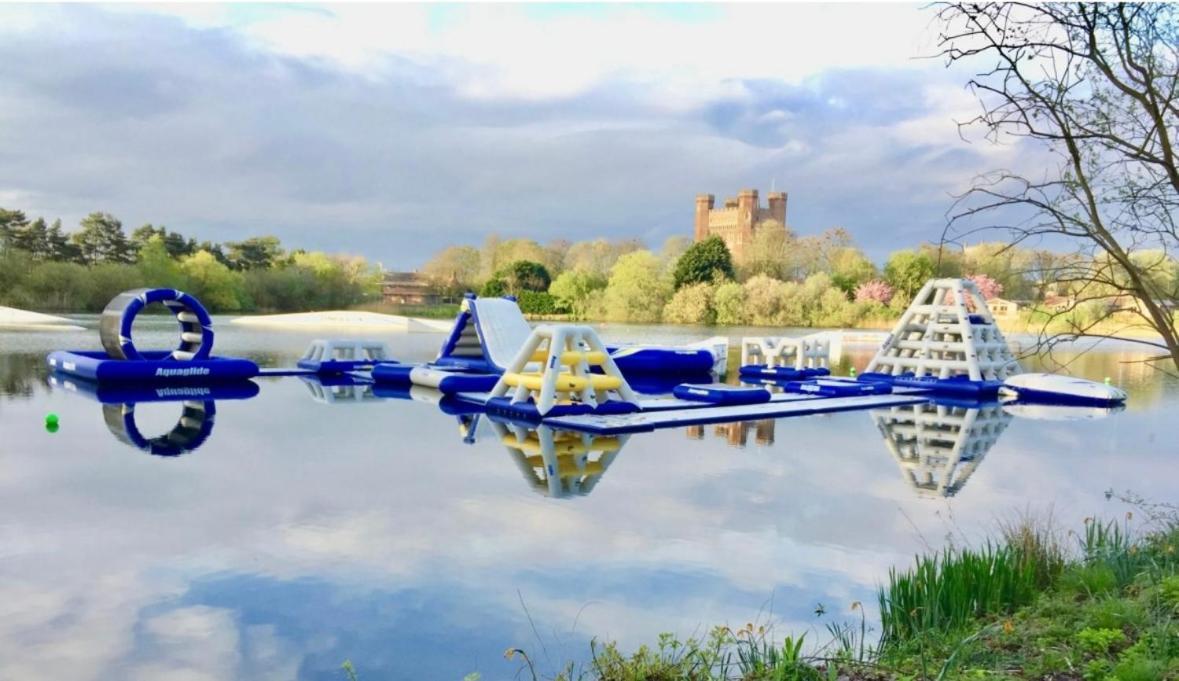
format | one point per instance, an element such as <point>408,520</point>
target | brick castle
<point>739,219</point>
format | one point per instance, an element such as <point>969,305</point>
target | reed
<point>945,592</point>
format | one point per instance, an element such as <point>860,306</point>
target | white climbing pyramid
<point>947,331</point>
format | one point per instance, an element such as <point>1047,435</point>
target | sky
<point>393,131</point>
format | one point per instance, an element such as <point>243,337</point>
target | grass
<point>1099,604</point>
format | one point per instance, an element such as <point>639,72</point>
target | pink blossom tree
<point>988,287</point>
<point>874,290</point>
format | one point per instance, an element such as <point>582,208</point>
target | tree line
<point>785,279</point>
<point>44,267</point>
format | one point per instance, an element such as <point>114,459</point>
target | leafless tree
<point>1095,88</point>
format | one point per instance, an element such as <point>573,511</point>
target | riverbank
<point>1098,603</point>
<point>351,320</point>
<point>13,319</point>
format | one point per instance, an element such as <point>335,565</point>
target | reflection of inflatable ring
<point>196,328</point>
<point>191,430</point>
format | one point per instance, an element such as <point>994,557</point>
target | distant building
<point>1003,309</point>
<point>739,219</point>
<point>410,288</point>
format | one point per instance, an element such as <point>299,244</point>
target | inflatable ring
<point>196,328</point>
<point>191,430</point>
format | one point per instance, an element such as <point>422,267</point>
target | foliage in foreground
<point>1093,606</point>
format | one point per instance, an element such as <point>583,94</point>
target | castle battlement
<point>739,218</point>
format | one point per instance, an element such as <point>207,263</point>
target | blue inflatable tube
<point>836,388</point>
<point>781,373</point>
<point>152,367</point>
<point>440,378</point>
<point>955,386</point>
<point>196,327</point>
<point>643,360</point>
<point>721,394</point>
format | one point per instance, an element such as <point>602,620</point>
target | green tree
<point>525,275</point>
<point>729,303</point>
<point>767,254</point>
<point>598,256</point>
<point>212,282</point>
<point>157,266</point>
<point>493,288</point>
<point>849,268</point>
<point>573,290</point>
<point>454,267</point>
<point>691,304</point>
<point>10,221</point>
<point>705,261</point>
<point>255,253</point>
<point>174,242</point>
<point>637,291</point>
<point>764,297</point>
<point>33,239</point>
<point>907,272</point>
<point>61,249</point>
<point>100,238</point>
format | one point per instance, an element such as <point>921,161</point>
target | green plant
<point>1099,641</point>
<point>944,593</point>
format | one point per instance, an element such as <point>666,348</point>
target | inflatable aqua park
<point>121,361</point>
<point>945,349</point>
<point>488,333</point>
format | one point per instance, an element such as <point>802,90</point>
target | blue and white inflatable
<point>488,333</point>
<point>191,362</point>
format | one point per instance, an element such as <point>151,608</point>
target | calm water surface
<point>307,530</point>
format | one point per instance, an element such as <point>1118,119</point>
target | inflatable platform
<point>122,362</point>
<point>489,332</point>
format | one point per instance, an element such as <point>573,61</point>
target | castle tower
<point>777,201</point>
<point>738,219</point>
<point>704,204</point>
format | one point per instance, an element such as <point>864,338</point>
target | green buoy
<point>853,372</point>
<point>51,422</point>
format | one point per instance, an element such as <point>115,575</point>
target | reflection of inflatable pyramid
<point>939,447</point>
<point>559,463</point>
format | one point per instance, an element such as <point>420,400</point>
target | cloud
<point>392,132</point>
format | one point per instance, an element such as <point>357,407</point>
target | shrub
<point>691,305</point>
<point>493,288</point>
<point>537,302</point>
<point>874,290</point>
<point>729,303</point>
<point>1099,641</point>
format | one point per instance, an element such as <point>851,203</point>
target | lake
<point>308,527</point>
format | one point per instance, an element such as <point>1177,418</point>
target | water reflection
<point>194,425</point>
<point>736,434</point>
<point>939,446</point>
<point>558,463</point>
<point>340,390</point>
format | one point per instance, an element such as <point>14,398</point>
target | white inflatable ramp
<point>619,424</point>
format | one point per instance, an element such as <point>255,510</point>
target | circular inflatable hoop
<point>196,328</point>
<point>190,432</point>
